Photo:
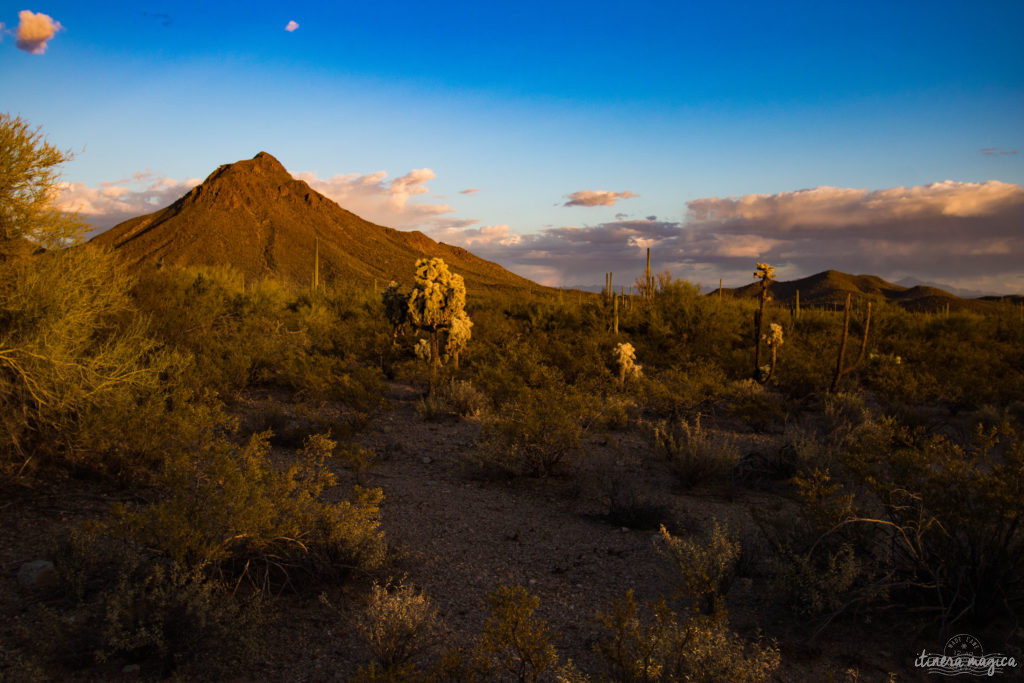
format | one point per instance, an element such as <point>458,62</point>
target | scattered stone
<point>130,669</point>
<point>37,575</point>
<point>426,460</point>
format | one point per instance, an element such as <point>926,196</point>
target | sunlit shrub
<point>81,380</point>
<point>515,641</point>
<point>231,512</point>
<point>399,626</point>
<point>653,643</point>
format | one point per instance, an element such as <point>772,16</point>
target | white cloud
<point>35,31</point>
<point>597,197</point>
<point>376,199</point>
<point>112,202</point>
<point>291,26</point>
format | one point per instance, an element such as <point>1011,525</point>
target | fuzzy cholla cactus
<point>625,357</point>
<point>458,337</point>
<point>774,340</point>
<point>437,304</point>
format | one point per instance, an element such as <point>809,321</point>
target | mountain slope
<point>254,216</point>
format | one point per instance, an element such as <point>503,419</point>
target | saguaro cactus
<point>841,368</point>
<point>766,274</point>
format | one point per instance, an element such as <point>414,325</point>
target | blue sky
<point>531,102</point>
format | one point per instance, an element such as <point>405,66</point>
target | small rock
<point>130,669</point>
<point>37,575</point>
<point>426,460</point>
<point>625,529</point>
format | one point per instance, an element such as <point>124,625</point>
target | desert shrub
<point>452,397</point>
<point>694,455</point>
<point>679,391</point>
<point>619,485</point>
<point>515,641</point>
<point>653,643</point>
<point>231,512</point>
<point>703,568</point>
<point>399,626</point>
<point>81,381</point>
<point>951,516</point>
<point>120,600</point>
<point>761,408</point>
<point>537,435</point>
<point>264,333</point>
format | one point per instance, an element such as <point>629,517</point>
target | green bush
<point>231,512</point>
<point>81,380</point>
<point>537,435</point>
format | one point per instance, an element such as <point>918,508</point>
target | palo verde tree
<point>437,306</point>
<point>29,177</point>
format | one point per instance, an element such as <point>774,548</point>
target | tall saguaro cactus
<point>766,274</point>
<point>841,367</point>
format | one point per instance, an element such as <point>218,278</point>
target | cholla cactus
<point>396,307</point>
<point>437,300</point>
<point>774,337</point>
<point>774,340</point>
<point>422,350</point>
<point>625,357</point>
<point>458,337</point>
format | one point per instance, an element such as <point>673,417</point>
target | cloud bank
<point>35,31</point>
<point>597,197</point>
<point>112,202</point>
<point>964,234</point>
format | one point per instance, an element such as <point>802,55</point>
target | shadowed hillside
<point>831,287</point>
<point>254,216</point>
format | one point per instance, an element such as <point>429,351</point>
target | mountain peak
<point>253,215</point>
<point>267,161</point>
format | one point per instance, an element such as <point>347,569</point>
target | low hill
<point>254,216</point>
<point>830,288</point>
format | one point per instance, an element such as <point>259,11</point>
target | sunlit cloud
<point>471,190</point>
<point>476,239</point>
<point>373,197</point>
<point>112,202</point>
<point>291,26</point>
<point>597,197</point>
<point>35,31</point>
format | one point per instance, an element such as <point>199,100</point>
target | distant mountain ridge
<point>253,215</point>
<point>830,287</point>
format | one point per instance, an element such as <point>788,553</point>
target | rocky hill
<point>830,288</point>
<point>254,216</point>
